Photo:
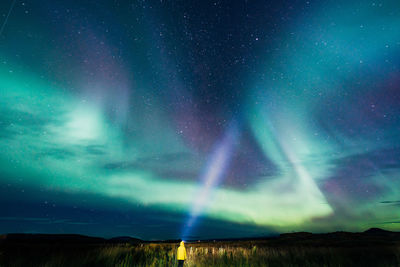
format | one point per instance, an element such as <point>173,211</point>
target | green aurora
<point>99,103</point>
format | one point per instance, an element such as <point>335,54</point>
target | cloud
<point>31,219</point>
<point>149,161</point>
<point>354,177</point>
<point>96,150</point>
<point>16,122</point>
<point>57,153</point>
<point>178,166</point>
<point>45,220</point>
<point>394,203</point>
<point>248,166</point>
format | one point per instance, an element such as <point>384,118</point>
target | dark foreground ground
<point>374,247</point>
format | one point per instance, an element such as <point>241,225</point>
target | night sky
<point>199,119</point>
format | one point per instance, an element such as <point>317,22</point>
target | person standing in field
<point>181,255</point>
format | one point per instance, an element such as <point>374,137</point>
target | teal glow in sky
<point>171,119</point>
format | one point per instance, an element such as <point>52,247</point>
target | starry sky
<point>199,119</point>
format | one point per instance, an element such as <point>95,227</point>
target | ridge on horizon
<point>69,238</point>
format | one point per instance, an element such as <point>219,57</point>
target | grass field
<point>206,254</point>
<point>335,250</point>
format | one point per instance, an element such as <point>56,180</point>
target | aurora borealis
<point>199,119</point>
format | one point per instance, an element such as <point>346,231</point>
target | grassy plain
<point>341,249</point>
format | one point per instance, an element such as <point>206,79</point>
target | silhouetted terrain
<point>374,247</point>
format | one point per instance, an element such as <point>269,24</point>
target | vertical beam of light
<point>214,172</point>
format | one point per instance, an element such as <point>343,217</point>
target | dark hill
<point>124,239</point>
<point>370,236</point>
<point>378,231</point>
<point>62,239</point>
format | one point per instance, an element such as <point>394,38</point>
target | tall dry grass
<point>200,254</point>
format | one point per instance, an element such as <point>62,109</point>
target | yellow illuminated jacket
<point>181,252</point>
